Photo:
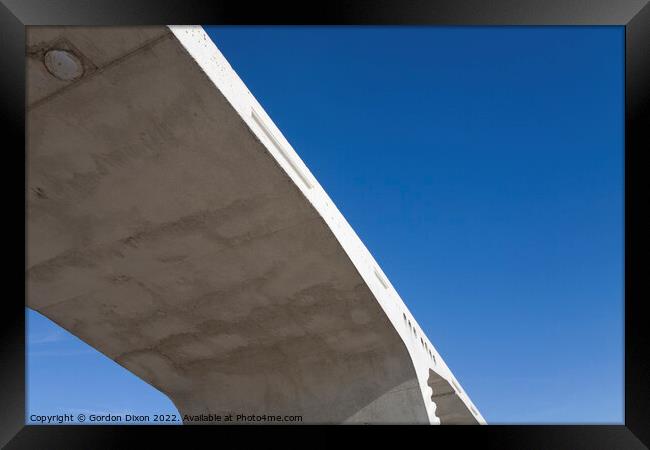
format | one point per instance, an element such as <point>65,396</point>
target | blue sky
<point>482,167</point>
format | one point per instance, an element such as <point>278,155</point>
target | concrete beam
<point>172,227</point>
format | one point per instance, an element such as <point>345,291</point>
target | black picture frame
<point>634,15</point>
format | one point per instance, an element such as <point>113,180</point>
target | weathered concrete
<point>172,227</point>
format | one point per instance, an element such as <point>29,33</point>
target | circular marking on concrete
<point>63,64</point>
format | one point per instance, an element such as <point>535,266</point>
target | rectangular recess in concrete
<point>280,147</point>
<point>381,279</point>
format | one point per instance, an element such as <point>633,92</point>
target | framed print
<point>210,188</point>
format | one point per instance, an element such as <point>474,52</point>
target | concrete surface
<point>172,227</point>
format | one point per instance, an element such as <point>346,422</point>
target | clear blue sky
<point>482,167</point>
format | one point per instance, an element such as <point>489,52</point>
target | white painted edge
<point>200,46</point>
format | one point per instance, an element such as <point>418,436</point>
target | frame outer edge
<point>12,331</point>
<point>637,143</point>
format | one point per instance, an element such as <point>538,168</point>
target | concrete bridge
<point>173,228</point>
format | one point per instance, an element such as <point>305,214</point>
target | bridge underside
<point>162,232</point>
